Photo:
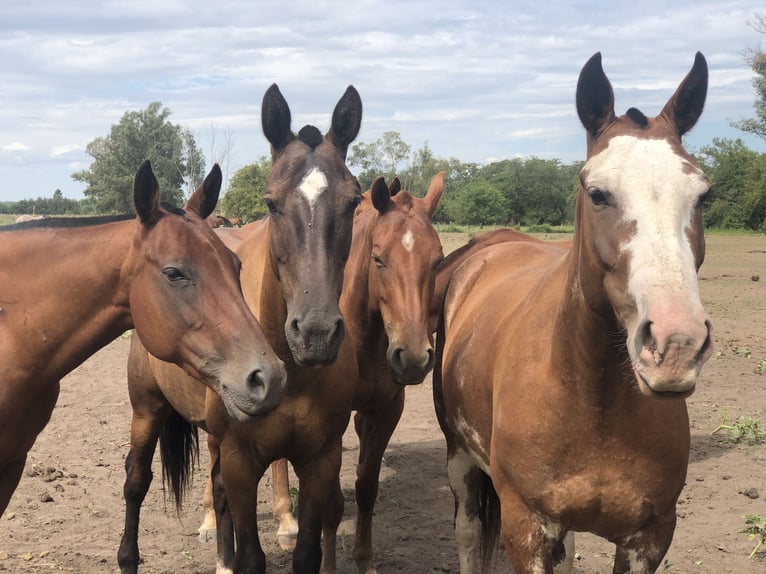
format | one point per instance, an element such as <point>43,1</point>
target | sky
<point>474,79</point>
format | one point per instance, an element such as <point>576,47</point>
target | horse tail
<point>179,453</point>
<point>489,517</point>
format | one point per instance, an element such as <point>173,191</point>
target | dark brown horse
<point>561,374</point>
<point>70,286</point>
<point>387,291</point>
<point>292,275</point>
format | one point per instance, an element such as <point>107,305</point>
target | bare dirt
<point>67,514</point>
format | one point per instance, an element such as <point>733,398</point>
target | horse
<point>561,374</point>
<point>69,286</point>
<point>387,292</point>
<point>292,275</point>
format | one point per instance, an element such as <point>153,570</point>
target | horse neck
<point>78,301</point>
<point>588,347</point>
<point>359,316</point>
<point>263,290</point>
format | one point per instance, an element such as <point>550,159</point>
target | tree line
<point>519,192</point>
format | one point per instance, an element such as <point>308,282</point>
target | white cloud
<point>65,149</point>
<point>15,146</point>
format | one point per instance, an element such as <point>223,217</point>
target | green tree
<point>757,61</point>
<point>381,157</point>
<point>738,184</point>
<point>244,196</point>
<point>478,203</point>
<point>140,135</point>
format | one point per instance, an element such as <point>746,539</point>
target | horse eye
<point>378,262</point>
<point>598,196</point>
<point>703,199</point>
<point>271,206</point>
<point>353,204</point>
<point>173,274</point>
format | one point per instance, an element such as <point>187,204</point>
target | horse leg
<point>241,469</point>
<point>283,505</point>
<point>10,475</point>
<point>144,433</point>
<point>208,527</point>
<point>644,551</point>
<point>374,431</point>
<point>223,522</point>
<point>465,481</point>
<point>318,505</point>
<point>330,520</point>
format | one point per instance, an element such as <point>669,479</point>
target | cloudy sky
<point>478,80</point>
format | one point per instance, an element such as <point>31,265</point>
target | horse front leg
<point>643,552</point>
<point>374,431</point>
<point>223,523</point>
<point>320,508</point>
<point>10,476</point>
<point>287,530</point>
<point>241,469</point>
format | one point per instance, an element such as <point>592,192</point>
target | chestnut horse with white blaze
<point>69,286</point>
<point>561,374</point>
<point>292,276</point>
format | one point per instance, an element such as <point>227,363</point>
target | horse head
<point>311,197</point>
<point>640,218</point>
<point>186,300</point>
<point>405,252</point>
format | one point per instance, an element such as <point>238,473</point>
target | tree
<point>244,196</point>
<point>737,174</point>
<point>757,61</point>
<point>140,135</point>
<point>479,203</point>
<point>381,157</point>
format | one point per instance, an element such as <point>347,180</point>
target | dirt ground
<point>67,514</point>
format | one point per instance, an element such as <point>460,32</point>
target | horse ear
<point>395,187</point>
<point>381,196</point>
<point>595,98</point>
<point>434,194</point>
<point>203,200</point>
<point>146,194</point>
<point>275,119</point>
<point>346,120</point>
<point>685,107</point>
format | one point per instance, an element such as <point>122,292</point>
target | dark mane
<point>311,136</point>
<point>65,222</point>
<point>457,253</point>
<point>638,117</point>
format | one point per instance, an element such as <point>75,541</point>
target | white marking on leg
<point>408,240</point>
<point>221,569</point>
<point>467,528</point>
<point>312,186</point>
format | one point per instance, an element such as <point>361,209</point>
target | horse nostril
<point>256,384</point>
<point>294,328</point>
<point>707,344</point>
<point>430,355</point>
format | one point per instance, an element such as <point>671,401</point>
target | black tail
<point>489,516</point>
<point>179,453</point>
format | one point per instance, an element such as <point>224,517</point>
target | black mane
<point>66,222</point>
<point>311,136</point>
<point>638,117</point>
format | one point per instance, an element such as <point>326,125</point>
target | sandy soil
<point>67,514</point>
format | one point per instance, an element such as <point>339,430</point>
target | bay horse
<point>561,374</point>
<point>387,292</point>
<point>69,286</point>
<point>292,276</point>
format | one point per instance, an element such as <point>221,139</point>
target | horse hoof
<point>287,541</point>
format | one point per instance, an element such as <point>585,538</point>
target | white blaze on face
<point>312,186</point>
<point>657,190</point>
<point>408,240</point>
